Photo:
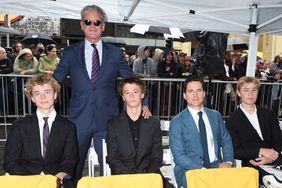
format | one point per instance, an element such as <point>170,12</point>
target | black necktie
<point>95,64</point>
<point>203,135</point>
<point>45,135</point>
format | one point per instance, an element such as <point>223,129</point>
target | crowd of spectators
<point>29,60</point>
<point>147,62</point>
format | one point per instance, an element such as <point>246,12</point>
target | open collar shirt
<point>253,118</point>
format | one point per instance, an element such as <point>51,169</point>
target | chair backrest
<point>222,178</point>
<point>167,155</point>
<point>93,160</point>
<point>32,181</point>
<point>237,163</point>
<point>124,181</point>
<point>106,167</point>
<point>165,125</point>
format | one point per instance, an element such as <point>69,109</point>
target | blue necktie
<point>95,64</point>
<point>45,135</point>
<point>203,135</point>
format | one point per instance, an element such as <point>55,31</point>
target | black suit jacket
<point>246,141</point>
<point>23,149</point>
<point>122,156</point>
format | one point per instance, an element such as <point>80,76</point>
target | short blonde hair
<point>41,80</point>
<point>247,79</point>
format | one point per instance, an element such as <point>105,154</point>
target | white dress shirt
<point>195,116</point>
<point>88,49</point>
<point>41,122</point>
<point>253,118</point>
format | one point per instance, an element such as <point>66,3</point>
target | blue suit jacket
<point>185,142</point>
<point>92,106</point>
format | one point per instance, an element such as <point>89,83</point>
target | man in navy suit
<point>186,141</point>
<point>28,151</point>
<point>92,104</point>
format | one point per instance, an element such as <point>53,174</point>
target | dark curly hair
<point>132,80</point>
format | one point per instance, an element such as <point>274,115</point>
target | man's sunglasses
<point>95,22</point>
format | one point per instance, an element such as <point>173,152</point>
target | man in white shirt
<point>197,135</point>
<point>255,131</point>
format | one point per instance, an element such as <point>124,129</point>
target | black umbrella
<point>36,38</point>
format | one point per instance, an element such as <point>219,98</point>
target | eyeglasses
<point>95,22</point>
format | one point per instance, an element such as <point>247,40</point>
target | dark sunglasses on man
<point>95,22</point>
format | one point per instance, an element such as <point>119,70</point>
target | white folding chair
<point>93,160</point>
<point>238,163</point>
<point>167,155</point>
<point>106,167</point>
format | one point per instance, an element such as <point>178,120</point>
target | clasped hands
<point>266,156</point>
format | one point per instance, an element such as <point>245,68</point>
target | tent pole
<point>133,7</point>
<point>252,55</point>
<point>8,24</point>
<point>253,44</point>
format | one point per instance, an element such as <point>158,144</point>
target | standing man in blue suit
<point>190,148</point>
<point>92,104</point>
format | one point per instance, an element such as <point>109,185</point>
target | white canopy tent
<point>249,17</point>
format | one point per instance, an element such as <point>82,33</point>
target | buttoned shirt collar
<point>88,54</point>
<point>210,138</point>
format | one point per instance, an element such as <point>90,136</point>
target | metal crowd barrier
<point>165,97</point>
<point>14,104</point>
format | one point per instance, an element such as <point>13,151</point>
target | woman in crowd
<point>49,62</point>
<point>25,63</point>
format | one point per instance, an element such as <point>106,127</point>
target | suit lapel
<point>248,123</point>
<point>35,132</point>
<point>52,137</point>
<point>142,134</point>
<point>261,120</point>
<point>81,59</point>
<point>126,130</point>
<point>213,123</point>
<point>215,129</point>
<point>189,122</point>
<point>104,65</point>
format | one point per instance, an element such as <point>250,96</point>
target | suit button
<point>135,139</point>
